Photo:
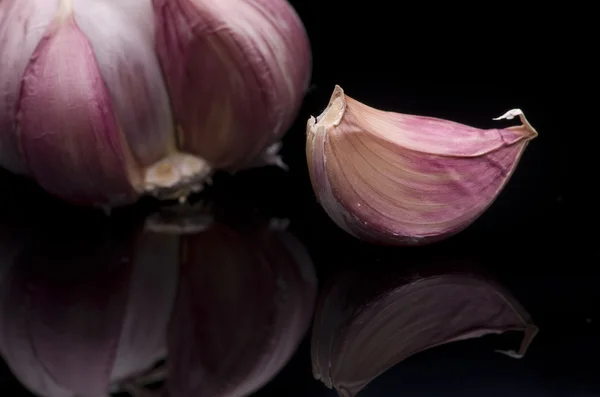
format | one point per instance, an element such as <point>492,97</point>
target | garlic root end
<point>177,176</point>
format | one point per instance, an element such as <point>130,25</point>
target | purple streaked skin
<point>121,35</point>
<point>397,179</point>
<point>22,25</point>
<point>68,133</point>
<point>257,57</point>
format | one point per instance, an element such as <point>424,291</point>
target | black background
<point>469,64</point>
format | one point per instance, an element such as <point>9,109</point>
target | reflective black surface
<point>230,308</point>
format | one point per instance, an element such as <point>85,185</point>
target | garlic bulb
<point>401,179</point>
<point>86,110</point>
<point>74,309</point>
<point>237,70</point>
<point>366,322</point>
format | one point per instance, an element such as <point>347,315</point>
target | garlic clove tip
<point>511,114</point>
<point>333,113</point>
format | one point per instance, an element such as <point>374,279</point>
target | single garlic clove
<point>401,179</point>
<point>68,132</point>
<point>121,35</point>
<point>245,301</point>
<point>237,72</point>
<point>367,322</point>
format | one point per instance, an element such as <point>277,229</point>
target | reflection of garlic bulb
<point>400,179</point>
<point>75,320</point>
<point>245,302</point>
<point>85,110</point>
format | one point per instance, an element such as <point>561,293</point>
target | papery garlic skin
<point>84,110</point>
<point>399,179</point>
<point>66,123</point>
<point>237,71</point>
<point>22,25</point>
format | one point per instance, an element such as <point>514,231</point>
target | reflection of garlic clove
<point>74,308</point>
<point>367,322</point>
<point>245,301</point>
<point>237,72</point>
<point>401,179</point>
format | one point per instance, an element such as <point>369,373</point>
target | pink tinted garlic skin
<point>22,25</point>
<point>396,179</point>
<point>237,71</point>
<point>84,108</point>
<point>67,130</point>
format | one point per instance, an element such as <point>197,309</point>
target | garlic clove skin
<point>23,23</point>
<point>68,132</point>
<point>237,72</point>
<point>397,179</point>
<point>121,35</point>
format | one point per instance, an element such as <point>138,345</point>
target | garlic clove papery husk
<point>81,315</point>
<point>85,110</point>
<point>237,72</point>
<point>22,25</point>
<point>367,322</point>
<point>68,133</point>
<point>120,34</point>
<point>399,179</point>
<point>245,301</point>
